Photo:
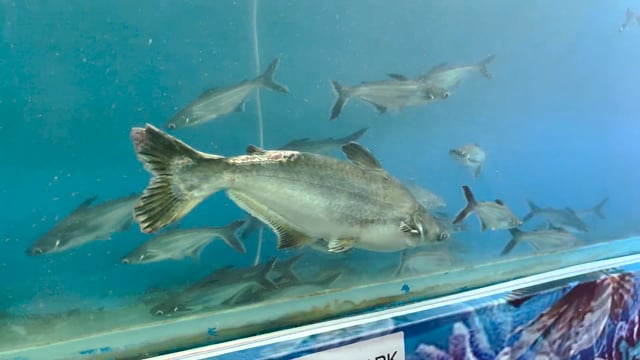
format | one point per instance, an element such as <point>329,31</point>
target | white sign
<point>388,347</point>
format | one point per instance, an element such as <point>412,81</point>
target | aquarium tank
<point>183,175</point>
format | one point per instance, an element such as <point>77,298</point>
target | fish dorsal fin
<point>437,68</point>
<point>360,155</point>
<point>252,150</point>
<point>299,141</point>
<point>85,204</point>
<point>209,92</point>
<point>399,77</point>
<point>500,202</point>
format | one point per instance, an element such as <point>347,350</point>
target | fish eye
<point>171,126</point>
<point>159,312</point>
<point>445,95</point>
<point>443,236</point>
<point>36,251</point>
<point>125,261</point>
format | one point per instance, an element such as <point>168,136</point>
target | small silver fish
<point>87,223</point>
<point>493,215</point>
<point>566,218</point>
<point>218,102</point>
<point>392,94</point>
<point>180,243</point>
<point>322,146</point>
<point>472,156</point>
<point>448,77</point>
<point>541,240</point>
<point>224,287</point>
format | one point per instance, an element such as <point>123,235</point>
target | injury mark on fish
<point>266,157</point>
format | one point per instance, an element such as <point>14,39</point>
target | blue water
<point>558,120</point>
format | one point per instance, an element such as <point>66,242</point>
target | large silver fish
<point>493,215</point>
<point>87,223</point>
<point>392,94</point>
<point>541,239</point>
<point>218,102</point>
<point>566,219</point>
<point>303,197</point>
<point>448,77</point>
<point>472,156</point>
<point>322,146</point>
<point>180,243</point>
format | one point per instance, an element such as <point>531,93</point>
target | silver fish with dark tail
<point>87,223</point>
<point>472,156</point>
<point>218,102</point>
<point>302,197</point>
<point>180,243</point>
<point>493,215</point>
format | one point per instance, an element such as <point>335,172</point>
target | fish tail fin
<point>229,235</point>
<point>483,66</point>
<point>171,192</point>
<point>261,274</point>
<point>533,210</point>
<point>471,204</point>
<point>355,136</point>
<point>598,208</point>
<point>286,269</point>
<point>266,79</point>
<point>515,239</point>
<point>343,97</point>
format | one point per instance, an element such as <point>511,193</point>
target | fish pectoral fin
<point>240,107</point>
<point>379,108</point>
<point>360,155</point>
<point>340,245</point>
<point>197,251</point>
<point>478,171</point>
<point>483,224</point>
<point>287,236</point>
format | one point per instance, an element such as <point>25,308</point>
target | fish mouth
<point>35,251</point>
<point>457,153</point>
